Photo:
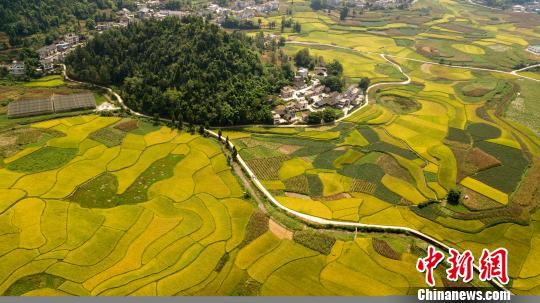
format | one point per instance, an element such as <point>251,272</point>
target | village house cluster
<point>124,16</point>
<point>535,49</point>
<point>48,55</point>
<point>56,52</point>
<point>309,95</point>
<point>531,7</point>
<point>242,10</point>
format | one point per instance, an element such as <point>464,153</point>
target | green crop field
<point>47,81</point>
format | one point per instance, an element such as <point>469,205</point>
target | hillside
<point>22,18</point>
<point>188,67</point>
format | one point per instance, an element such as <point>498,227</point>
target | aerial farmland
<point>171,180</point>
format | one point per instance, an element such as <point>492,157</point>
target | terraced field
<point>151,211</point>
<point>383,164</point>
<point>440,31</point>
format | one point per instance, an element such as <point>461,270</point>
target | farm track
<point>406,82</point>
<point>325,223</point>
<point>515,72</point>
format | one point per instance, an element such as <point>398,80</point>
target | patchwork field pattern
<point>398,169</point>
<point>395,160</point>
<point>160,213</point>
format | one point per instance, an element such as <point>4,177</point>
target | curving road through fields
<point>512,73</point>
<point>304,217</point>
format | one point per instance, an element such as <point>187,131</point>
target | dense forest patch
<point>21,18</point>
<point>185,68</point>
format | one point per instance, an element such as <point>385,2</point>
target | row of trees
<point>235,23</point>
<point>326,116</point>
<point>186,66</point>
<point>290,23</point>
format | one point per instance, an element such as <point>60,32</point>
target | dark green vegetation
<point>326,159</point>
<point>315,240</point>
<point>483,131</point>
<point>366,171</point>
<point>382,146</point>
<point>453,197</point>
<point>315,185</point>
<point>144,127</point>
<point>369,134</point>
<point>186,66</point>
<point>458,135</point>
<point>100,192</point>
<point>32,282</point>
<point>46,158</point>
<point>507,176</point>
<point>108,136</point>
<point>326,116</point>
<point>298,184</point>
<point>483,89</point>
<point>21,18</point>
<point>399,104</point>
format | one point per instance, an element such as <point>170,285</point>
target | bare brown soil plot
<point>288,149</point>
<point>127,126</point>
<point>280,231</point>
<point>384,249</point>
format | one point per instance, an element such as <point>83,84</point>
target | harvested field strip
<point>485,190</point>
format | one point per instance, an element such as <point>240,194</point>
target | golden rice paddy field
<point>108,206</point>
